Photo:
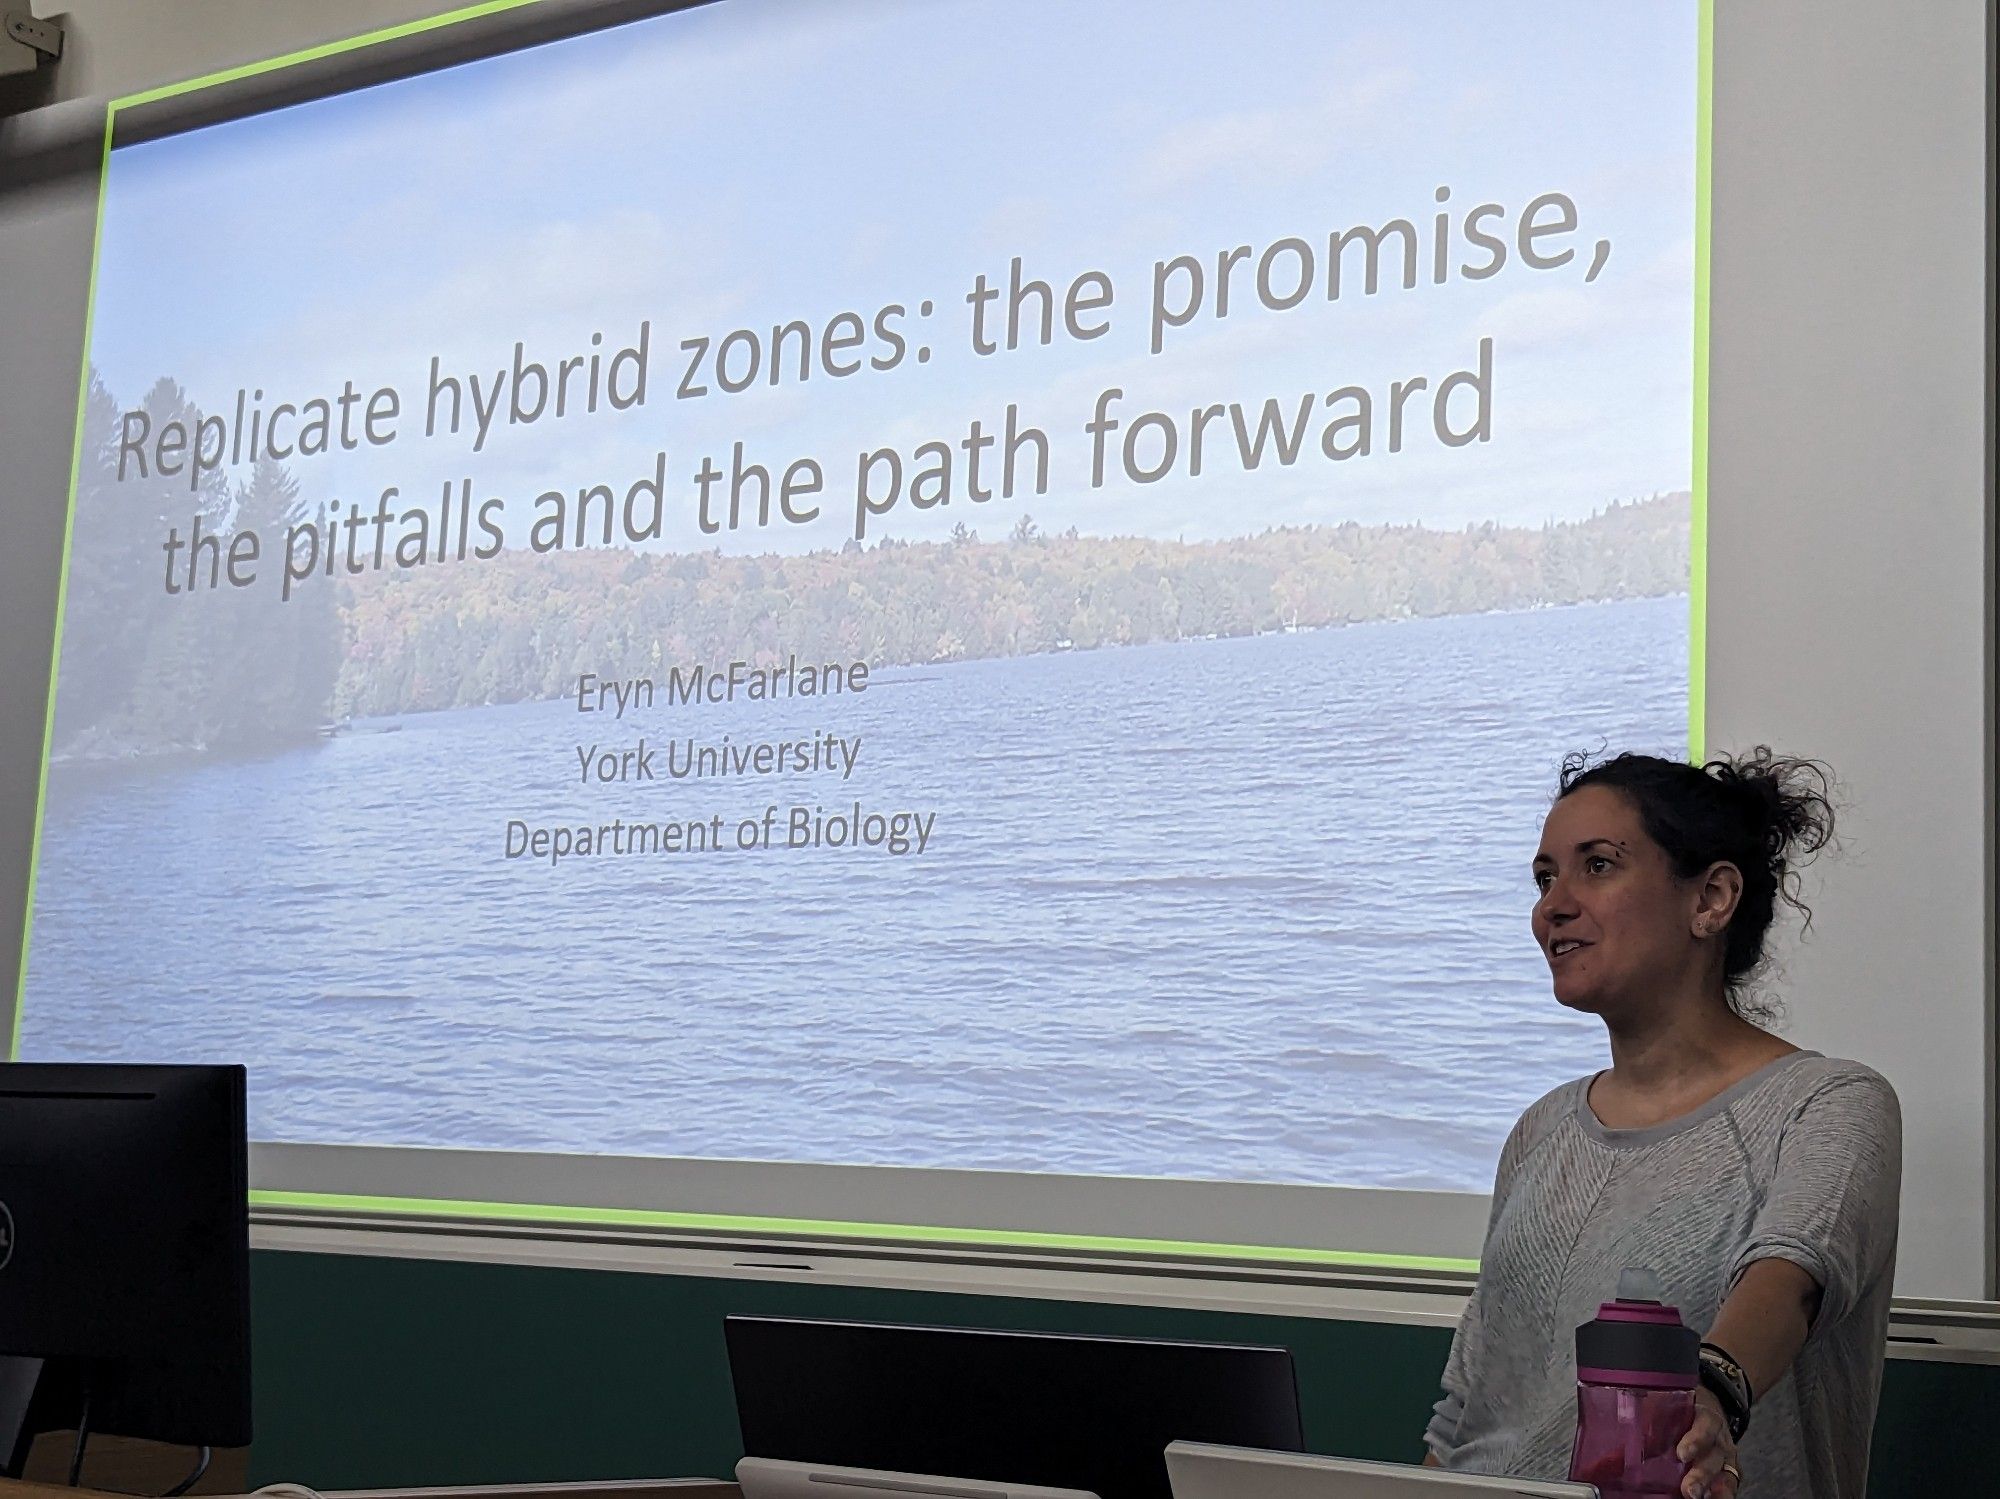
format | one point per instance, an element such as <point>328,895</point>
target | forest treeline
<point>145,672</point>
<point>521,626</point>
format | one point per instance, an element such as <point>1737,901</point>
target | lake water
<point>1252,909</point>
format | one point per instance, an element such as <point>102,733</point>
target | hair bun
<point>1791,800</point>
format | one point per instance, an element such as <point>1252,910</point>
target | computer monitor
<point>124,1254</point>
<point>1051,1409</point>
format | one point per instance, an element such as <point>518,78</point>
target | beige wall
<point>114,47</point>
<point>1851,548</point>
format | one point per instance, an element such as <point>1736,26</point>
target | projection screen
<point>903,620</point>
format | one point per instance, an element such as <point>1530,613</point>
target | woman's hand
<point>1710,1455</point>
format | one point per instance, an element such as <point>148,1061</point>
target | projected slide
<point>978,585</point>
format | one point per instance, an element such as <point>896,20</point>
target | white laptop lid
<point>769,1478</point>
<point>1200,1471</point>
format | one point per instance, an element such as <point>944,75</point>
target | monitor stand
<point>36,1395</point>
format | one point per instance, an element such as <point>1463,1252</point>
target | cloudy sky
<point>750,162</point>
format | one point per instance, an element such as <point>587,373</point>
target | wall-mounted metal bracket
<point>26,43</point>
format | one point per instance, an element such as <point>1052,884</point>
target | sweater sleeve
<point>1442,1432</point>
<point>1831,1205</point>
<point>1463,1363</point>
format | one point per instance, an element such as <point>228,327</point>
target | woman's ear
<point>1716,898</point>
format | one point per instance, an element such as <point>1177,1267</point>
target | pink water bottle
<point>1636,1366</point>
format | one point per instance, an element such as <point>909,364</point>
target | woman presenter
<point>1759,1181</point>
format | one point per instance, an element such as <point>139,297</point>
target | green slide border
<point>912,1233</point>
<point>832,1228</point>
<point>1698,499</point>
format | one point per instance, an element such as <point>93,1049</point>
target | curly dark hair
<point>1766,814</point>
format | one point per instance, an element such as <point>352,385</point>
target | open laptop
<point>1200,1471</point>
<point>769,1478</point>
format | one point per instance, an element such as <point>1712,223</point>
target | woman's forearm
<point>1764,1322</point>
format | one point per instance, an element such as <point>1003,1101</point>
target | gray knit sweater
<point>1800,1161</point>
